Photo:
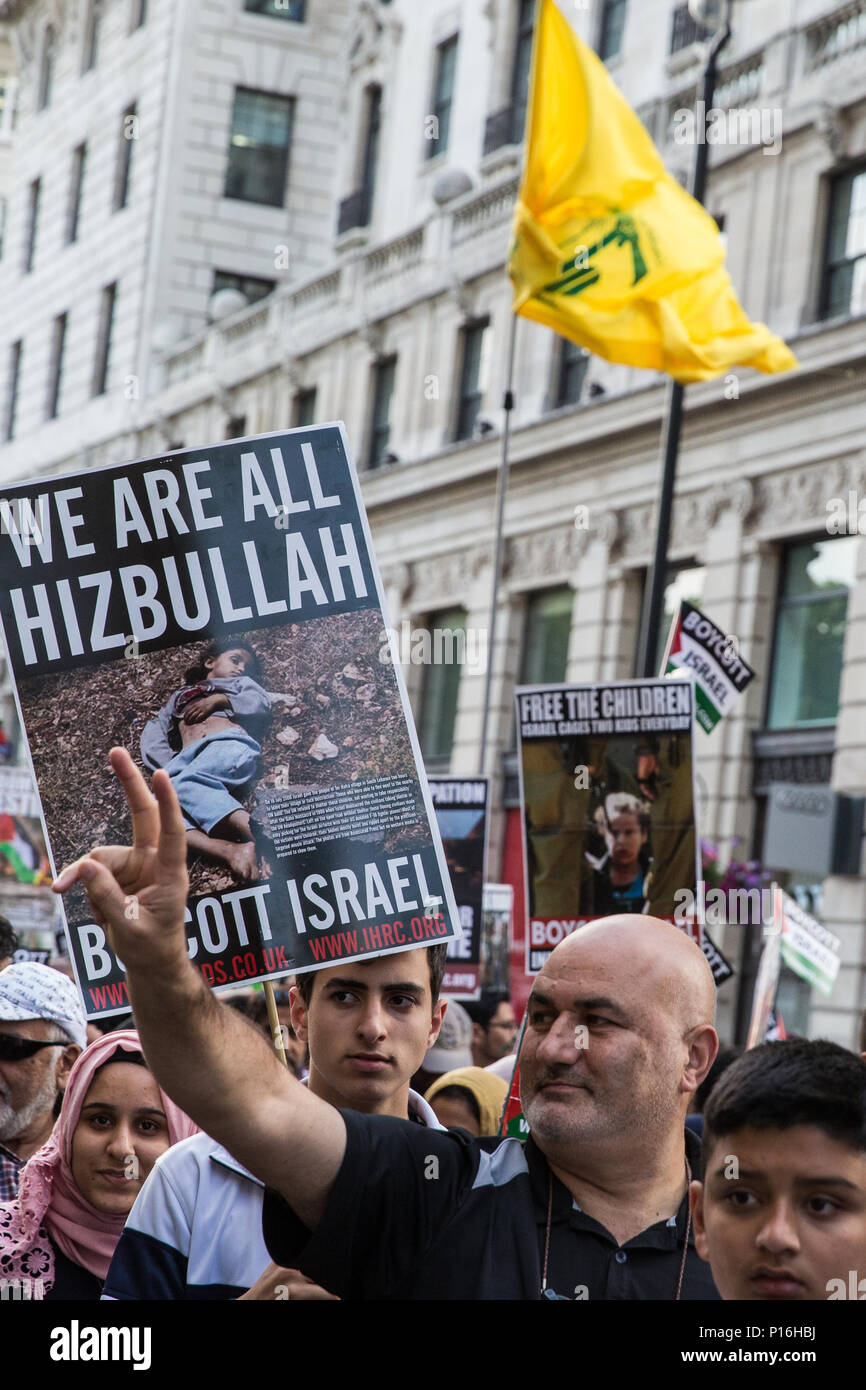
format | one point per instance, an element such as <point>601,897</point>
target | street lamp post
<point>715,13</point>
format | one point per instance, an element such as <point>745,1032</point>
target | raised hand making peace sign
<point>138,892</point>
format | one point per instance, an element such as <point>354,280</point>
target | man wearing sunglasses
<point>494,1027</point>
<point>42,1031</point>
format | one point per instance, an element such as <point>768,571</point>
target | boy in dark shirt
<point>781,1212</point>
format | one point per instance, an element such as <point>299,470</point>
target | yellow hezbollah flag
<point>608,249</point>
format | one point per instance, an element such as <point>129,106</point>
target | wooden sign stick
<point>274,1021</point>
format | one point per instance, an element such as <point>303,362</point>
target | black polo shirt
<point>433,1214</point>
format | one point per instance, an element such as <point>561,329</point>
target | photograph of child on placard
<point>204,737</point>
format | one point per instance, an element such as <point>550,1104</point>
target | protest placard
<point>461,814</point>
<point>607,790</point>
<point>290,742</point>
<point>23,953</point>
<point>767,978</point>
<point>497,931</point>
<point>808,948</point>
<point>721,675</point>
<point>720,966</point>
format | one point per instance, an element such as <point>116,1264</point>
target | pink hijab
<point>48,1199</point>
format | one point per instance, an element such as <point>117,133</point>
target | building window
<point>12,388</point>
<point>506,127</point>
<point>32,224</point>
<point>441,685</point>
<point>357,209</point>
<point>684,583</point>
<point>236,427</point>
<point>817,578</point>
<point>278,9</point>
<point>259,147</point>
<point>128,135</point>
<point>139,15</point>
<point>520,73</point>
<point>384,373</point>
<point>46,69</point>
<point>252,286</point>
<point>91,36</point>
<point>844,290</point>
<point>371,148</point>
<point>571,367</point>
<point>304,409</point>
<point>75,189</point>
<point>443,96</point>
<point>56,371</point>
<point>7,103</point>
<point>612,25</point>
<point>546,634</point>
<point>685,30</point>
<point>473,374</point>
<point>103,341</point>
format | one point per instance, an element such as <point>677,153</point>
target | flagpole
<point>654,594</point>
<point>501,489</point>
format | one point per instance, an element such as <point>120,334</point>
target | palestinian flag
<point>697,646</point>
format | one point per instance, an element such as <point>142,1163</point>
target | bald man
<point>619,1037</point>
<point>373,1207</point>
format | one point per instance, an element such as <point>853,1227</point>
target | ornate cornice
<point>605,526</point>
<point>831,126</point>
<point>446,578</point>
<point>549,554</point>
<point>398,578</point>
<point>783,499</point>
<point>774,502</point>
<point>375,30</point>
<point>462,296</point>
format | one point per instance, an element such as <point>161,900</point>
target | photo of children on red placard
<point>608,816</point>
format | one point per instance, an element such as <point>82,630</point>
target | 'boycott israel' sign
<point>808,948</point>
<point>696,644</point>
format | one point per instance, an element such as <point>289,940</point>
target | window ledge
<point>812,739</point>
<point>678,63</point>
<point>435,162</point>
<point>792,755</point>
<point>248,210</point>
<point>815,325</point>
<point>506,157</point>
<point>353,239</point>
<point>255,24</point>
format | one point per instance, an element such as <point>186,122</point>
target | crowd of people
<point>180,1159</point>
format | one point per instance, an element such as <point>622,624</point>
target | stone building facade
<point>393,313</point>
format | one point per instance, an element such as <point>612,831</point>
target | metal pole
<point>654,594</point>
<point>501,489</point>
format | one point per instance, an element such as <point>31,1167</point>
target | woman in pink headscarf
<point>75,1193</point>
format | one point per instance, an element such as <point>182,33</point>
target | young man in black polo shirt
<point>620,1035</point>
